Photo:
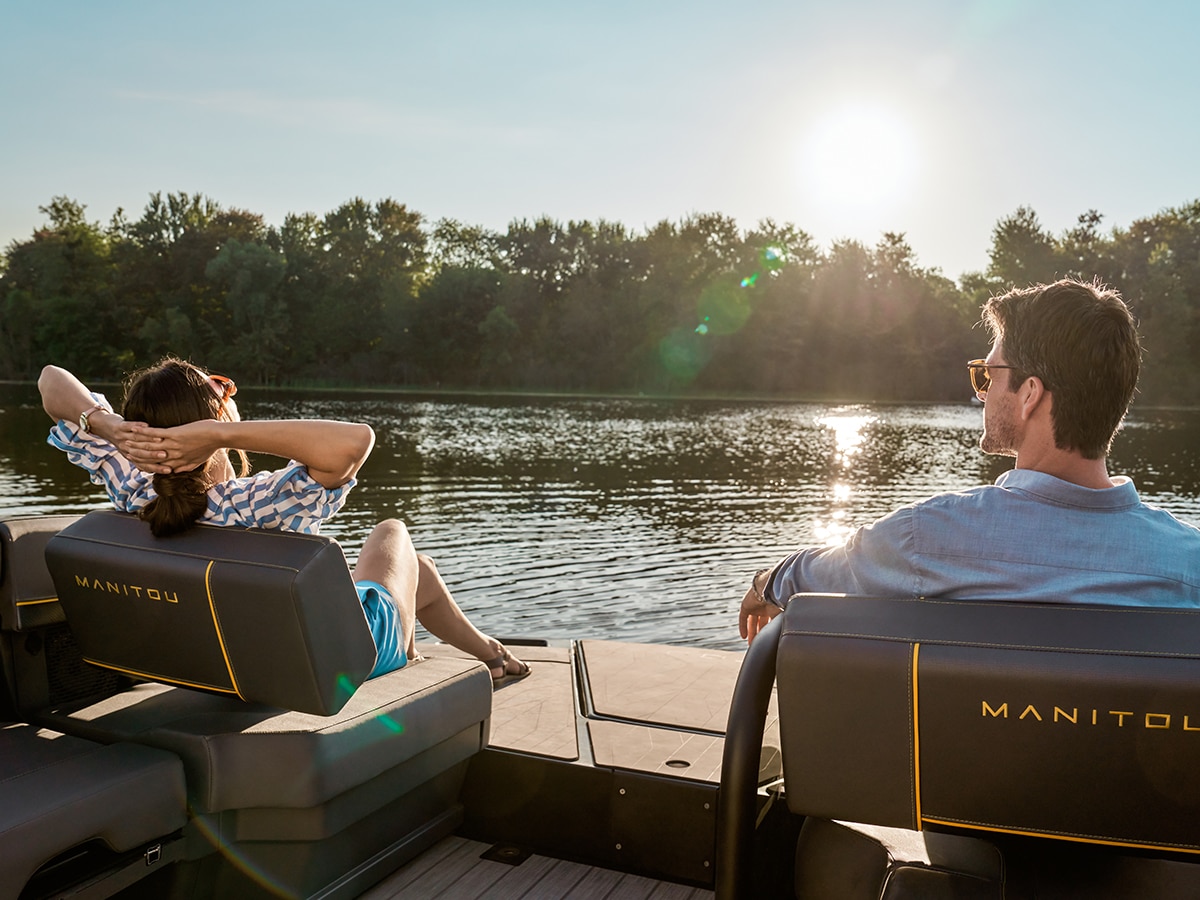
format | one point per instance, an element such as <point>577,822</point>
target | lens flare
<point>723,308</point>
<point>684,354</point>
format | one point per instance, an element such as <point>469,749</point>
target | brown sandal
<point>501,662</point>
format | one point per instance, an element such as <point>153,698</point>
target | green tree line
<point>371,294</point>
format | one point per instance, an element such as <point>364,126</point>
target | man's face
<point>999,436</point>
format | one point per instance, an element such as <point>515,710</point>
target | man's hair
<point>1080,339</point>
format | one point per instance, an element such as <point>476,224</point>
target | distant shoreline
<point>398,390</point>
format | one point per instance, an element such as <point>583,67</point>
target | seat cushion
<point>58,791</point>
<point>239,755</point>
<point>846,861</point>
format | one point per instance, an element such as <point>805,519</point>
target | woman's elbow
<point>359,447</point>
<point>366,440</point>
<point>48,380</point>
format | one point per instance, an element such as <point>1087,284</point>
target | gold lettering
<point>1187,726</point>
<point>1093,717</point>
<point>1030,709</point>
<point>112,587</point>
<point>81,580</point>
<point>1120,716</point>
<point>1073,718</point>
<point>1002,712</point>
<point>153,594</point>
<point>137,591</point>
<point>1162,717</point>
<point>172,597</point>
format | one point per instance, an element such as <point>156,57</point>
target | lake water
<point>636,520</point>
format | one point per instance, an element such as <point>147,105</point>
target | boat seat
<point>60,793</point>
<point>41,659</point>
<point>264,616</point>
<point>1055,742</point>
<point>251,649</point>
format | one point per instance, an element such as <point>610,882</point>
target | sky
<point>935,118</point>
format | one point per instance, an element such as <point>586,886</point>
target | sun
<point>859,155</point>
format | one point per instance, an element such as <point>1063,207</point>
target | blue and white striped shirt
<point>287,499</point>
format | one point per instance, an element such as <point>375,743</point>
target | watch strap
<point>84,424</point>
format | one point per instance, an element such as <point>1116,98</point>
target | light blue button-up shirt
<point>1029,536</point>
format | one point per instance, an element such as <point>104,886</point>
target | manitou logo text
<point>136,591</point>
<point>1121,718</point>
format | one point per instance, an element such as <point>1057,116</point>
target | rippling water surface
<point>627,519</point>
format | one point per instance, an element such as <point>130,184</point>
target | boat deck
<point>455,868</point>
<point>599,779</point>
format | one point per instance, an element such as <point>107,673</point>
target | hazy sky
<point>848,118</point>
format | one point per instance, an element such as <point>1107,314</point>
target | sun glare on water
<point>861,155</point>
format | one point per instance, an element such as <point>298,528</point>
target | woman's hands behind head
<point>161,451</point>
<point>332,451</point>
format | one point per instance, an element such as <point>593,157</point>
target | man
<point>1057,383</point>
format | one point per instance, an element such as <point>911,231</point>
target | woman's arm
<point>332,451</point>
<point>65,397</point>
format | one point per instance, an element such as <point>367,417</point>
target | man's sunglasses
<point>981,378</point>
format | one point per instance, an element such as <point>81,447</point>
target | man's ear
<point>1033,395</point>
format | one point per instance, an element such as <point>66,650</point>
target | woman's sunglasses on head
<point>227,387</point>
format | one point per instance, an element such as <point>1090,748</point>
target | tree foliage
<point>370,294</point>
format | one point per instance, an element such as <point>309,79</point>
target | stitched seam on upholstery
<point>258,564</point>
<point>942,642</point>
<point>51,765</point>
<point>992,826</point>
<point>374,711</point>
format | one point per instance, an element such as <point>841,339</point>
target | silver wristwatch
<point>84,425</point>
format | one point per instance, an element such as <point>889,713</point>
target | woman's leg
<point>389,558</point>
<point>443,618</point>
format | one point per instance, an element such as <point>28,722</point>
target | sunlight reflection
<point>847,434</point>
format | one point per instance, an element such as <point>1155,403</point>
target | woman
<point>165,459</point>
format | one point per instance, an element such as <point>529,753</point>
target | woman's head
<point>169,393</point>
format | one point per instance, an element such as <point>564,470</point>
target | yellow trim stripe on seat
<point>150,676</point>
<point>916,727</point>
<point>217,627</point>
<point>1063,837</point>
<point>36,602</point>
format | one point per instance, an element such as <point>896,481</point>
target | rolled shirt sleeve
<point>286,499</point>
<point>876,560</point>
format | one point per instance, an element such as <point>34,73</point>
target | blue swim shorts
<point>385,627</point>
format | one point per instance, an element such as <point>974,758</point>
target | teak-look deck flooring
<point>639,708</point>
<point>453,870</point>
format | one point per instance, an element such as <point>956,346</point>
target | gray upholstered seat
<point>234,630</point>
<point>1052,745</point>
<point>59,792</point>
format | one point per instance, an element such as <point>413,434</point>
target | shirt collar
<point>1121,495</point>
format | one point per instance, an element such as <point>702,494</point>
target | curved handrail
<point>737,800</point>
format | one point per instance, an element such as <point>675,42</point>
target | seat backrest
<point>1053,720</point>
<point>27,596</point>
<point>268,616</point>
